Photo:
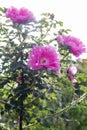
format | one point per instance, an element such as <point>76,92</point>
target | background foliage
<point>43,100</point>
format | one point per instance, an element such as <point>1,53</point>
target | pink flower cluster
<point>44,57</point>
<point>20,16</point>
<point>76,47</point>
<point>71,71</point>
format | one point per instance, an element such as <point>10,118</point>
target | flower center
<point>44,61</point>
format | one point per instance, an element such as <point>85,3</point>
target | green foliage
<point>44,100</point>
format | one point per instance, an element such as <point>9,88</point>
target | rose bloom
<point>76,47</point>
<point>20,16</point>
<point>72,78</point>
<point>44,57</point>
<point>60,39</point>
<point>72,70</point>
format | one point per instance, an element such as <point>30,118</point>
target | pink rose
<point>20,16</point>
<point>44,57</point>
<point>76,47</point>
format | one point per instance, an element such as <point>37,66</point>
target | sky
<point>71,12</point>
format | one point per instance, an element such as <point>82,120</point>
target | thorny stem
<point>22,86</point>
<point>21,103</point>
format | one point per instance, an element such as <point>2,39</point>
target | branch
<point>68,107</point>
<point>5,102</point>
<point>65,56</point>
